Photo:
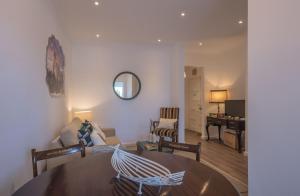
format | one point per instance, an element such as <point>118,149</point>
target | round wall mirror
<point>127,85</point>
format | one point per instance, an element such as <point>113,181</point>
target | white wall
<point>274,94</point>
<point>94,67</point>
<point>177,86</point>
<point>29,117</point>
<point>225,66</point>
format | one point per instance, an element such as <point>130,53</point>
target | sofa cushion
<point>56,143</point>
<point>112,140</point>
<point>109,132</point>
<point>97,140</point>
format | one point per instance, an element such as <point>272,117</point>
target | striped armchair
<point>169,113</point>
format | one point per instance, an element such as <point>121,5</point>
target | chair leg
<point>140,189</point>
<point>119,175</point>
<point>159,190</point>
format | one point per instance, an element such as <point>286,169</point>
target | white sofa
<point>69,135</point>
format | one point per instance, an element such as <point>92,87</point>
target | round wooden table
<point>94,176</point>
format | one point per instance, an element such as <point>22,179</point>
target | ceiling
<point>150,20</point>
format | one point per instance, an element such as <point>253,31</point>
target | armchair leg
<point>175,139</point>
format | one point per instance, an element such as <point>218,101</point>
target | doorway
<point>194,96</point>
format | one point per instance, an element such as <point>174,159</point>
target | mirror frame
<point>139,82</point>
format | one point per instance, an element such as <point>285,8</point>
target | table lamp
<point>83,115</point>
<point>218,97</point>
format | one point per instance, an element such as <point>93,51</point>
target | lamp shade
<point>218,96</point>
<point>83,115</point>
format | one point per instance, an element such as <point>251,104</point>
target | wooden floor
<point>228,161</point>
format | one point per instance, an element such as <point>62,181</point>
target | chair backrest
<point>180,146</point>
<point>48,154</point>
<point>170,113</point>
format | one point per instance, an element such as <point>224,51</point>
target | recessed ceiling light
<point>200,44</point>
<point>159,40</point>
<point>240,22</point>
<point>98,35</point>
<point>182,14</point>
<point>96,3</point>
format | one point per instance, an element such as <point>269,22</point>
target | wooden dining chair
<point>180,146</point>
<point>48,154</point>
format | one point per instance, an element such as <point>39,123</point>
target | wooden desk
<point>94,176</point>
<point>236,125</point>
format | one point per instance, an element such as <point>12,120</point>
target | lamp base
<point>220,115</point>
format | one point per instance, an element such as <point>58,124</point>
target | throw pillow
<point>96,139</point>
<point>97,128</point>
<point>68,138</point>
<point>166,123</point>
<point>73,126</point>
<point>84,134</point>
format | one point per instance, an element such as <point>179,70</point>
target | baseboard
<point>245,153</point>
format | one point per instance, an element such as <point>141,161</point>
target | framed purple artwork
<point>55,67</point>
